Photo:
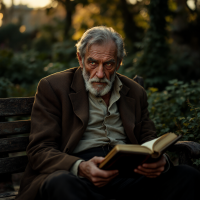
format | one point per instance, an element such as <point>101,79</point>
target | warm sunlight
<point>191,4</point>
<point>1,17</point>
<point>22,29</point>
<point>29,3</point>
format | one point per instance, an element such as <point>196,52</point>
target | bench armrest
<point>187,150</point>
<point>139,80</point>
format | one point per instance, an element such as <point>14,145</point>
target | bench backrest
<point>14,134</point>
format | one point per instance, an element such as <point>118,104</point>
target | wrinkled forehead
<point>103,52</point>
<point>108,47</point>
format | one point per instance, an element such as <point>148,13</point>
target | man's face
<point>100,65</point>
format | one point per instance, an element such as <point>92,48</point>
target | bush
<point>167,106</point>
<point>177,109</point>
<point>20,73</point>
<point>11,37</point>
<point>189,128</point>
<point>5,87</point>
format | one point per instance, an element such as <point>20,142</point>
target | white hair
<point>101,35</point>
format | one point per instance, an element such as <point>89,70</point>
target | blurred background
<point>162,39</point>
<point>37,38</point>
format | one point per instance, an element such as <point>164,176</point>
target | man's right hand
<point>89,169</point>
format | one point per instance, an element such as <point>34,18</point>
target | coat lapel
<point>126,106</point>
<point>79,100</point>
<point>80,104</point>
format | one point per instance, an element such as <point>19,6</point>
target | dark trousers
<point>180,182</point>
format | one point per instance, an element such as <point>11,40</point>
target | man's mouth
<point>99,84</point>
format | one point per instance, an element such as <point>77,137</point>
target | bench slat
<point>8,145</point>
<point>15,106</point>
<point>13,164</point>
<point>8,198</point>
<point>15,127</point>
<point>8,194</point>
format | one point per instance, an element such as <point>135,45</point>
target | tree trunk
<point>68,18</point>
<point>129,24</point>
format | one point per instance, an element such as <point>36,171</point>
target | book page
<point>168,139</point>
<point>150,144</point>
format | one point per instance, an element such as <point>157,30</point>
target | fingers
<point>101,177</point>
<point>161,162</point>
<point>104,173</point>
<point>99,182</point>
<point>152,174</point>
<point>97,160</point>
<point>98,177</point>
<point>155,165</point>
<point>102,182</point>
<point>152,170</point>
<point>96,172</point>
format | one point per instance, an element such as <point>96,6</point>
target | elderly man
<point>78,116</point>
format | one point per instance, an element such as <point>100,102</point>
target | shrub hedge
<point>177,109</point>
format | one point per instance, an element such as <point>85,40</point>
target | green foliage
<point>177,109</point>
<point>6,56</point>
<point>20,73</point>
<point>168,106</point>
<point>183,65</point>
<point>65,52</point>
<point>24,68</point>
<point>166,54</point>
<point>189,127</point>
<point>42,44</point>
<point>196,163</point>
<point>10,36</point>
<point>5,87</point>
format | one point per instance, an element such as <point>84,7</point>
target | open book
<point>128,156</point>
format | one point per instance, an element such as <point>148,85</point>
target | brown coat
<point>59,119</point>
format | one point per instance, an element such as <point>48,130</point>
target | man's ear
<point>79,60</point>
<point>119,64</point>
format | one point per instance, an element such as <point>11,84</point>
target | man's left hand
<point>152,170</point>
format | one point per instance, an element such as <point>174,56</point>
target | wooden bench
<point>14,138</point>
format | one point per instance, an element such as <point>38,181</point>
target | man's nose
<point>100,71</point>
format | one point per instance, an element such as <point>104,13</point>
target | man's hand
<point>152,170</point>
<point>98,177</point>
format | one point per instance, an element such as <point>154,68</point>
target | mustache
<point>95,79</point>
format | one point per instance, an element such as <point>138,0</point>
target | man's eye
<point>108,65</point>
<point>92,63</point>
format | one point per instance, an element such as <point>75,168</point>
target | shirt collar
<point>117,85</point>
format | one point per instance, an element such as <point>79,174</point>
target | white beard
<point>102,90</point>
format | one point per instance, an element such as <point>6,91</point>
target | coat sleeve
<point>45,138</point>
<point>147,131</point>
